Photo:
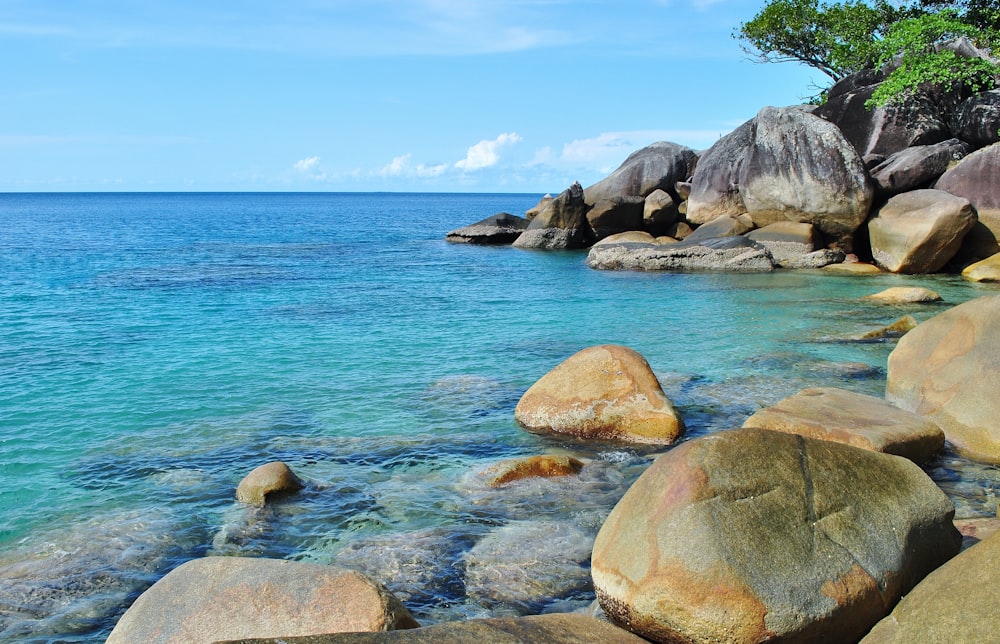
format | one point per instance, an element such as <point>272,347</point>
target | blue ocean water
<point>154,348</point>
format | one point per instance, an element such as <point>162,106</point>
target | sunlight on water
<point>156,348</point>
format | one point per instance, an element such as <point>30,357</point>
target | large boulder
<point>919,231</point>
<point>883,131</point>
<point>605,392</point>
<point>724,254</point>
<point>269,480</point>
<point>753,535</point>
<point>551,628</point>
<point>724,226</point>
<point>977,119</point>
<point>499,229</point>
<point>225,598</point>
<point>799,167</point>
<point>987,270</point>
<point>655,167</point>
<point>616,215</point>
<point>561,225</point>
<point>854,419</point>
<point>948,369</point>
<point>715,184</point>
<point>977,178</point>
<point>955,603</point>
<point>659,212</point>
<point>916,167</point>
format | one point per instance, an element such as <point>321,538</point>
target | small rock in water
<point>542,466</point>
<point>904,295</point>
<point>896,329</point>
<point>273,478</point>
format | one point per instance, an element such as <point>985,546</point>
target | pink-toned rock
<point>605,392</point>
<point>753,535</point>
<point>227,598</point>
<point>977,529</point>
<point>948,369</point>
<point>854,419</point>
<point>541,466</point>
<point>272,478</point>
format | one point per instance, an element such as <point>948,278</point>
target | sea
<point>155,348</point>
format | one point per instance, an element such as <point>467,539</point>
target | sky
<point>367,95</point>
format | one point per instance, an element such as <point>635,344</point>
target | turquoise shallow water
<point>154,348</point>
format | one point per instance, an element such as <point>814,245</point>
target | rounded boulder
<point>753,535</point>
<point>605,392</point>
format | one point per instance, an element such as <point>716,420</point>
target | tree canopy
<point>840,38</point>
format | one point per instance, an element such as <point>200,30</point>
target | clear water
<point>154,348</point>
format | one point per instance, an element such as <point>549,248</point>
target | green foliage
<point>916,44</point>
<point>837,39</point>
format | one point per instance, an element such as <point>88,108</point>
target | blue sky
<point>366,95</point>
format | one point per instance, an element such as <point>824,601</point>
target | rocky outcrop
<point>724,226</point>
<point>499,229</point>
<point>268,480</point>
<point>715,189</point>
<point>541,466</point>
<point>729,254</point>
<point>551,628</point>
<point>883,131</point>
<point>955,603</point>
<point>919,231</point>
<point>948,369</point>
<point>655,167</point>
<point>226,598</point>
<point>977,119</point>
<point>616,215</point>
<point>854,419</point>
<point>977,178</point>
<point>542,204</point>
<point>903,295</point>
<point>916,167</point>
<point>606,392</point>
<point>561,225</point>
<point>799,167</point>
<point>749,535</point>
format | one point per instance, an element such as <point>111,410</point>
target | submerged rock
<point>606,392</point>
<point>525,564</point>
<point>750,535</point>
<point>897,329</point>
<point>225,598</point>
<point>732,254</point>
<point>854,419</point>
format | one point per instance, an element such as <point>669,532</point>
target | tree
<point>909,42</point>
<point>837,39</point>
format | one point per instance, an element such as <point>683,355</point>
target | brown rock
<point>605,392</point>
<point>903,295</point>
<point>987,270</point>
<point>919,231</point>
<point>898,328</point>
<point>629,237</point>
<point>948,369</point>
<point>554,628</point>
<point>616,215</point>
<point>752,535</point>
<point>499,229</point>
<point>659,212</point>
<point>273,478</point>
<point>852,268</point>
<point>854,419</point>
<point>542,466</point>
<point>977,529</point>
<point>955,603</point>
<point>560,225</point>
<point>225,598</point>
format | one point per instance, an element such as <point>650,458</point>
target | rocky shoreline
<point>812,522</point>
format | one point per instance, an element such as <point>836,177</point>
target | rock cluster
<point>911,189</point>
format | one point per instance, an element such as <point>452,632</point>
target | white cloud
<point>307,164</point>
<point>402,166</point>
<point>485,153</point>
